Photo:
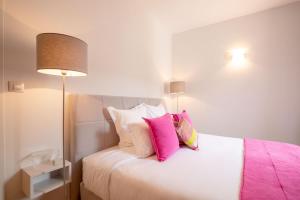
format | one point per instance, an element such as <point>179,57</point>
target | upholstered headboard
<point>90,129</point>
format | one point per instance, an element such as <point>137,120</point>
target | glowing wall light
<point>238,57</point>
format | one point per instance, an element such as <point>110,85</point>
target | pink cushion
<point>163,136</point>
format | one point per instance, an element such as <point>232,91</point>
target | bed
<point>118,174</point>
<point>222,168</point>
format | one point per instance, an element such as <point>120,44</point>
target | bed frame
<point>90,129</point>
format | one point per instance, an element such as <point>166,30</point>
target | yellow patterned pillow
<point>187,134</point>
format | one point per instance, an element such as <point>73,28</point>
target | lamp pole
<point>63,77</point>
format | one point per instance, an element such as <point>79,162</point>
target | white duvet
<point>211,173</point>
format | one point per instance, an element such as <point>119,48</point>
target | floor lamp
<point>61,55</point>
<point>177,88</point>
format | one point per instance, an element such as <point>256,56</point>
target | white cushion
<point>155,111</point>
<point>141,139</point>
<point>122,118</point>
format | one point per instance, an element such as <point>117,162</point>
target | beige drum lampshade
<point>61,55</point>
<point>177,87</point>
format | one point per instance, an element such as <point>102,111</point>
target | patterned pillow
<point>187,134</point>
<point>178,116</point>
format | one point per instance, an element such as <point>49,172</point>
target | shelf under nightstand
<point>43,178</point>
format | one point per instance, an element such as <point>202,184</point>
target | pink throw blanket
<point>271,171</point>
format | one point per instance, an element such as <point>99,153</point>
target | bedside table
<point>43,178</point>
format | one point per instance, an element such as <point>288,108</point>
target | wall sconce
<point>238,57</point>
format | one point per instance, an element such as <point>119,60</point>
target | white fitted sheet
<point>212,173</point>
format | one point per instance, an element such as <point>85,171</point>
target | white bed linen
<point>212,173</point>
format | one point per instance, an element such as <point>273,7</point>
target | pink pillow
<point>163,136</point>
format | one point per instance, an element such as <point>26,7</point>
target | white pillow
<point>141,139</point>
<point>155,111</point>
<point>122,118</point>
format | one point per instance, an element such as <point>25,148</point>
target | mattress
<point>211,173</point>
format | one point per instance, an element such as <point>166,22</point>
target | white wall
<point>261,100</point>
<point>129,54</point>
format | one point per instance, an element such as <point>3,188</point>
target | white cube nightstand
<point>40,179</point>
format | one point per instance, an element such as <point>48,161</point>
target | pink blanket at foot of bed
<point>271,171</point>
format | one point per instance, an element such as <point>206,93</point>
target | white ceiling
<point>175,15</point>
